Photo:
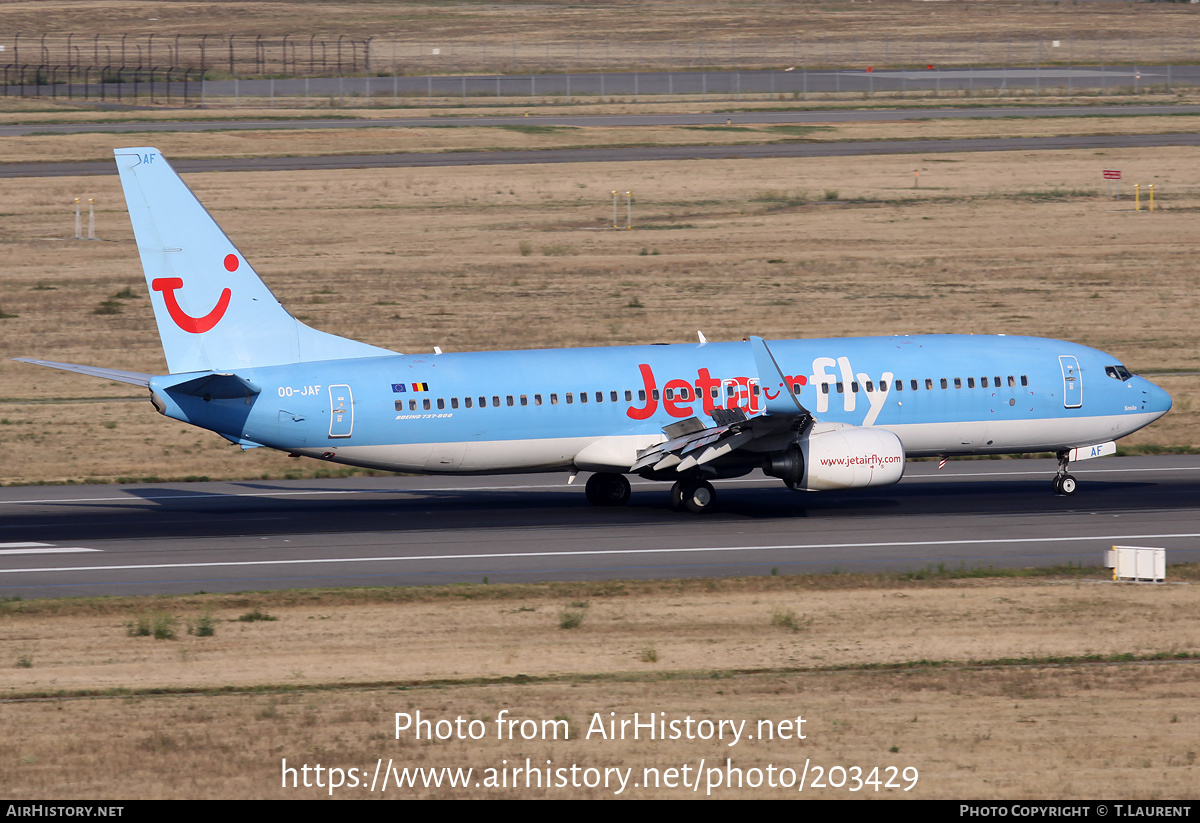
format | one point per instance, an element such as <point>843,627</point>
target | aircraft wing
<point>691,444</point>
<point>131,377</point>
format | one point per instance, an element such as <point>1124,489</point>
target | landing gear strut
<point>693,495</point>
<point>607,489</point>
<point>1063,482</point>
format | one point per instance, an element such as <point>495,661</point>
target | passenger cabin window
<point>958,382</point>
<point>570,398</point>
<point>467,402</point>
<point>454,402</point>
<point>612,395</point>
<point>441,403</point>
<point>983,382</point>
<point>945,384</point>
<point>496,400</point>
<point>928,383</point>
<point>1024,380</point>
<point>970,382</point>
<point>1012,381</point>
<point>553,399</point>
<point>426,404</point>
<point>509,399</point>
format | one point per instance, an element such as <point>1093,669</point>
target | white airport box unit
<point>1137,563</point>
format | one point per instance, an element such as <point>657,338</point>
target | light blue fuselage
<point>539,410</point>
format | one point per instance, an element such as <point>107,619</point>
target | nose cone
<point>1157,400</point>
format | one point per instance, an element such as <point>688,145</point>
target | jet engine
<point>837,456</point>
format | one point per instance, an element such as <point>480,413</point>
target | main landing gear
<point>1063,482</point>
<point>692,495</point>
<point>689,494</point>
<point>607,489</point>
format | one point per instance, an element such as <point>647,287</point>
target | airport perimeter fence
<point>196,68</point>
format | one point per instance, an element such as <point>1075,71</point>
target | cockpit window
<point>1118,372</point>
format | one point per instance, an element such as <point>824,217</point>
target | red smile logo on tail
<point>194,325</point>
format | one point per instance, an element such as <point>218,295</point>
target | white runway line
<point>1107,538</point>
<point>40,548</point>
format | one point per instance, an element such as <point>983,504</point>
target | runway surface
<point>604,120</point>
<point>223,537</point>
<point>616,154</point>
<point>623,155</point>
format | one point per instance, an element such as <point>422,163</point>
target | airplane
<point>819,414</point>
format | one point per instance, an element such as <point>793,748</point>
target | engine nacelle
<point>834,456</point>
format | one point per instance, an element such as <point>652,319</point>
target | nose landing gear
<point>1064,483</point>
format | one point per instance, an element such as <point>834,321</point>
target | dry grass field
<point>990,693</point>
<point>651,21</point>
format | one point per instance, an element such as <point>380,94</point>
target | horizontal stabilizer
<point>132,377</point>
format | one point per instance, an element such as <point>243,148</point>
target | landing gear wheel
<point>695,496</point>
<point>1064,483</point>
<point>607,489</point>
<point>677,495</point>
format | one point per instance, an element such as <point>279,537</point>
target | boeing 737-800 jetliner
<point>818,414</point>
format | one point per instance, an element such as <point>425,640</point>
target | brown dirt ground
<point>648,20</point>
<point>771,649</point>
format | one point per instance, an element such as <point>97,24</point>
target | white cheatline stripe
<point>594,552</point>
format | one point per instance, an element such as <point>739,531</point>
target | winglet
<point>778,396</point>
